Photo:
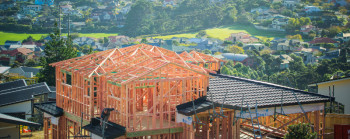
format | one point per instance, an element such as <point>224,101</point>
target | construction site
<point>152,92</point>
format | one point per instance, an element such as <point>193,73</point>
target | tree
<point>240,44</point>
<point>30,63</point>
<point>297,36</point>
<point>300,131</point>
<point>206,51</point>
<point>201,33</point>
<point>144,40</point>
<point>57,49</point>
<point>16,64</point>
<point>235,49</point>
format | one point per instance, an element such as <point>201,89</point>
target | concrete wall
<point>18,107</point>
<point>11,130</point>
<point>341,92</point>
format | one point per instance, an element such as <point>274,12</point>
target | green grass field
<point>225,31</point>
<point>21,36</point>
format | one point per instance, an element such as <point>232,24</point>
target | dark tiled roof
<point>266,95</point>
<point>13,120</point>
<point>113,130</point>
<point>13,84</point>
<point>24,93</point>
<point>30,69</point>
<point>50,108</point>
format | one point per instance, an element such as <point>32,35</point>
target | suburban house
<point>17,98</point>
<point>35,8</point>
<point>30,47</point>
<point>242,37</point>
<point>120,19</point>
<point>44,2</point>
<point>261,9</point>
<point>342,37</point>
<point>331,54</point>
<point>235,57</point>
<point>84,41</point>
<point>7,5</point>
<point>27,72</point>
<point>4,70</point>
<point>66,8</point>
<point>282,45</point>
<point>168,44</point>
<point>307,28</point>
<point>19,54</point>
<point>78,25</point>
<point>308,55</point>
<point>169,2</point>
<point>8,43</point>
<point>337,87</point>
<point>9,126</point>
<point>119,40</point>
<point>339,2</point>
<point>290,3</point>
<point>264,16</point>
<point>285,61</point>
<point>312,9</point>
<point>254,46</point>
<point>279,22</point>
<point>321,41</point>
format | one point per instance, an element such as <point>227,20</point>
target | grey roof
<point>14,120</point>
<point>235,57</point>
<point>30,69</point>
<point>23,93</point>
<point>4,69</point>
<point>13,84</point>
<point>112,131</point>
<point>52,93</point>
<point>266,94</point>
<point>237,89</point>
<point>50,108</point>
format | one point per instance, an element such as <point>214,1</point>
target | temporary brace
<point>301,106</point>
<point>275,114</point>
<point>195,113</point>
<point>252,119</point>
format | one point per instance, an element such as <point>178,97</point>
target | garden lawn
<point>224,32</point>
<point>4,36</point>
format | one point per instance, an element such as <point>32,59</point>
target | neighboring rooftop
<point>22,93</point>
<point>112,131</point>
<point>330,80</point>
<point>13,84</point>
<point>4,69</point>
<point>50,108</point>
<point>14,120</point>
<point>236,89</point>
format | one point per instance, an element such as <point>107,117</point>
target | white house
<point>25,71</point>
<point>35,8</point>
<point>311,9</point>
<point>30,47</point>
<point>17,98</point>
<point>340,87</point>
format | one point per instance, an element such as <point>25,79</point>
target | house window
<point>69,79</point>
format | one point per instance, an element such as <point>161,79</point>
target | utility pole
<point>68,24</point>
<point>59,20</point>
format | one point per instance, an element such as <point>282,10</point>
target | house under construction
<point>157,93</point>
